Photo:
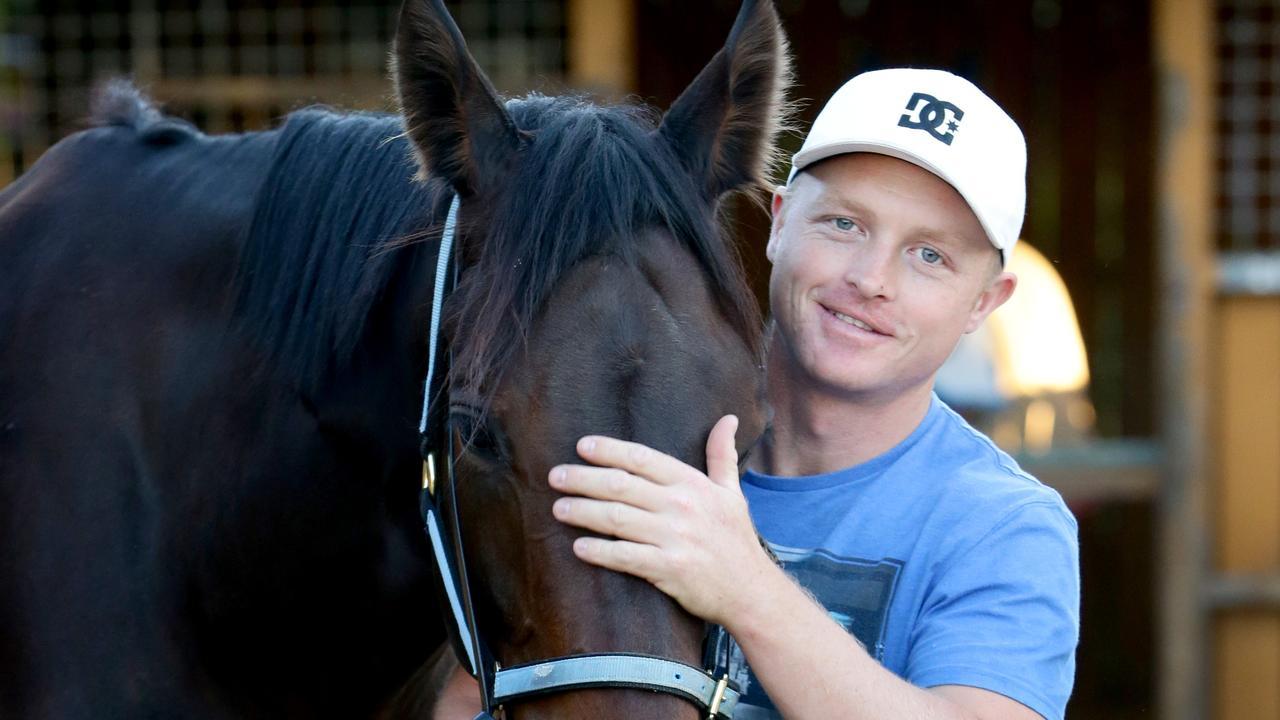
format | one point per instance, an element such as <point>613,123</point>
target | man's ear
<point>775,212</point>
<point>998,290</point>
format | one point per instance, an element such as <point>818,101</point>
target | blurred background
<point>1138,370</point>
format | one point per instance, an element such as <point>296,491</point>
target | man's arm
<point>691,535</point>
<point>808,663</point>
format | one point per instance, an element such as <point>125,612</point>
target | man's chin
<point>850,382</point>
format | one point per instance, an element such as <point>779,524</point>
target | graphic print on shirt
<point>856,594</point>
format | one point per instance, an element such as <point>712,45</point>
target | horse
<point>212,369</point>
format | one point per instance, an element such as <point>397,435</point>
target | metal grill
<point>231,65</point>
<point>1248,92</point>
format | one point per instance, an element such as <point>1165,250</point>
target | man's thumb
<point>722,452</point>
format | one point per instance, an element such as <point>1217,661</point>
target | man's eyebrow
<point>952,242</point>
<point>931,235</point>
<point>828,200</point>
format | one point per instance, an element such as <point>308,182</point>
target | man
<point>949,576</point>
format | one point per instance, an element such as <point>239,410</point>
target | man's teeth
<point>853,321</point>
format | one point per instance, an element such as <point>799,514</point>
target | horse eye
<point>482,441</point>
<point>475,435</point>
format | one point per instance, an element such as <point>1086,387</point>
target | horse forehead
<point>615,341</point>
<point>629,308</point>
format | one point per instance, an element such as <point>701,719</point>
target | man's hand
<point>688,533</point>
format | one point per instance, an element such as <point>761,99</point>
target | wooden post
<point>1183,41</point>
<point>1246,647</point>
<point>602,45</point>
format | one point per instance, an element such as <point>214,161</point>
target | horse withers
<point>212,368</point>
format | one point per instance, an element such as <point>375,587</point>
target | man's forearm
<point>809,665</point>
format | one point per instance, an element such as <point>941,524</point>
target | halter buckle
<point>718,697</point>
<point>429,474</point>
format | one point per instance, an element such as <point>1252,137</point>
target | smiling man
<point>924,574</point>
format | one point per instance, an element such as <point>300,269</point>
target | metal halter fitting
<point>499,686</point>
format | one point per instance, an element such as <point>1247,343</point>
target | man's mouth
<point>852,321</point>
<point>855,322</point>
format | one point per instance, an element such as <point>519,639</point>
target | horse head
<point>596,294</point>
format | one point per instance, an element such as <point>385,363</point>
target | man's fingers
<point>609,518</point>
<point>635,458</point>
<point>632,558</point>
<point>722,452</point>
<point>605,484</point>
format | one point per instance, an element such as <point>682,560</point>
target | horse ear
<point>725,123</point>
<point>459,129</point>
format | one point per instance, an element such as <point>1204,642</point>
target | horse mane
<point>118,102</point>
<point>338,192</point>
<point>590,183</point>
<point>339,195</point>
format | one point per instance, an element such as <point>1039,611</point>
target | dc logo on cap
<point>932,117</point>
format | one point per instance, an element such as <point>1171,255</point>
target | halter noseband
<point>499,686</point>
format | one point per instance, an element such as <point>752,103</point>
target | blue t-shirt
<point>949,563</point>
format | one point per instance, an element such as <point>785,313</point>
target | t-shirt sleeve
<point>1004,614</point>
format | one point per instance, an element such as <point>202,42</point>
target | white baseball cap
<point>936,120</point>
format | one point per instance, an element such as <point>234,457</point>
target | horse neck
<point>377,393</point>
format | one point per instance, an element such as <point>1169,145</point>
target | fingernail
<point>587,444</point>
<point>557,477</point>
<point>560,508</point>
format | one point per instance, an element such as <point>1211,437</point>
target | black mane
<point>340,197</point>
<point>314,263</point>
<point>117,101</point>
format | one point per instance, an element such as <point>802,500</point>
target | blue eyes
<point>927,254</point>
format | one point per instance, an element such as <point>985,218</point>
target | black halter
<point>499,686</point>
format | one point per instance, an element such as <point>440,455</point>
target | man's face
<point>879,267</point>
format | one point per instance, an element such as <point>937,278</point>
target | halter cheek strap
<point>437,300</point>
<point>450,561</point>
<point>499,686</point>
<point>430,516</point>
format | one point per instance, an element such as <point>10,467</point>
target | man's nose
<point>871,271</point>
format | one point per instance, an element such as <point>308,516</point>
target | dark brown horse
<point>212,352</point>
